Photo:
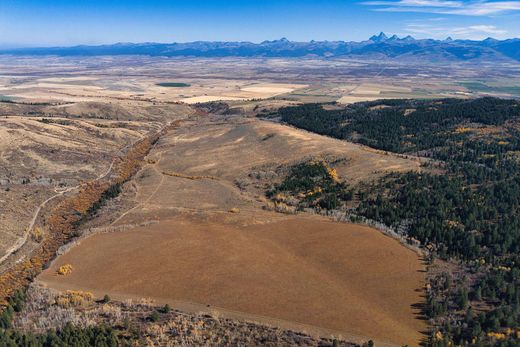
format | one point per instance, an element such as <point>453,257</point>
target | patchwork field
<point>343,277</point>
<point>151,84</point>
<point>371,92</point>
<point>146,79</point>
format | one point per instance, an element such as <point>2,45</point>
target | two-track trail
<point>72,210</point>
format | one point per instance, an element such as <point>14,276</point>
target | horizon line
<point>16,46</point>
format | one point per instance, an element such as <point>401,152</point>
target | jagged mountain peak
<point>379,38</point>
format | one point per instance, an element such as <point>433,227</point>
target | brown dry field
<point>230,147</point>
<point>343,277</point>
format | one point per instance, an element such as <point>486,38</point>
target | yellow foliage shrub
<point>37,234</point>
<point>280,197</point>
<point>65,270</point>
<point>498,336</point>
<point>332,173</point>
<point>74,298</point>
<point>462,130</point>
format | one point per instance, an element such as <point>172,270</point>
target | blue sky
<point>60,22</point>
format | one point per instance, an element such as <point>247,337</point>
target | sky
<point>71,22</point>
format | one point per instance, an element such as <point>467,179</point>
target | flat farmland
<point>240,79</point>
<point>344,277</point>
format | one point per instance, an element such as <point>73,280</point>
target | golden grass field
<point>343,277</point>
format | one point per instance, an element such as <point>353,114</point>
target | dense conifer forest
<point>464,206</point>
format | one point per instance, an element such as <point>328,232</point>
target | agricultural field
<point>335,276</point>
<point>199,80</point>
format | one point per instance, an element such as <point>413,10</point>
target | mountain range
<point>378,46</point>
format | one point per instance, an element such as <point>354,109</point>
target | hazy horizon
<point>389,35</point>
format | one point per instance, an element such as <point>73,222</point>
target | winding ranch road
<point>154,166</point>
<point>19,244</point>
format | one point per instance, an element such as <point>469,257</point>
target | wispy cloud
<point>467,8</point>
<point>473,32</point>
<point>415,3</point>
